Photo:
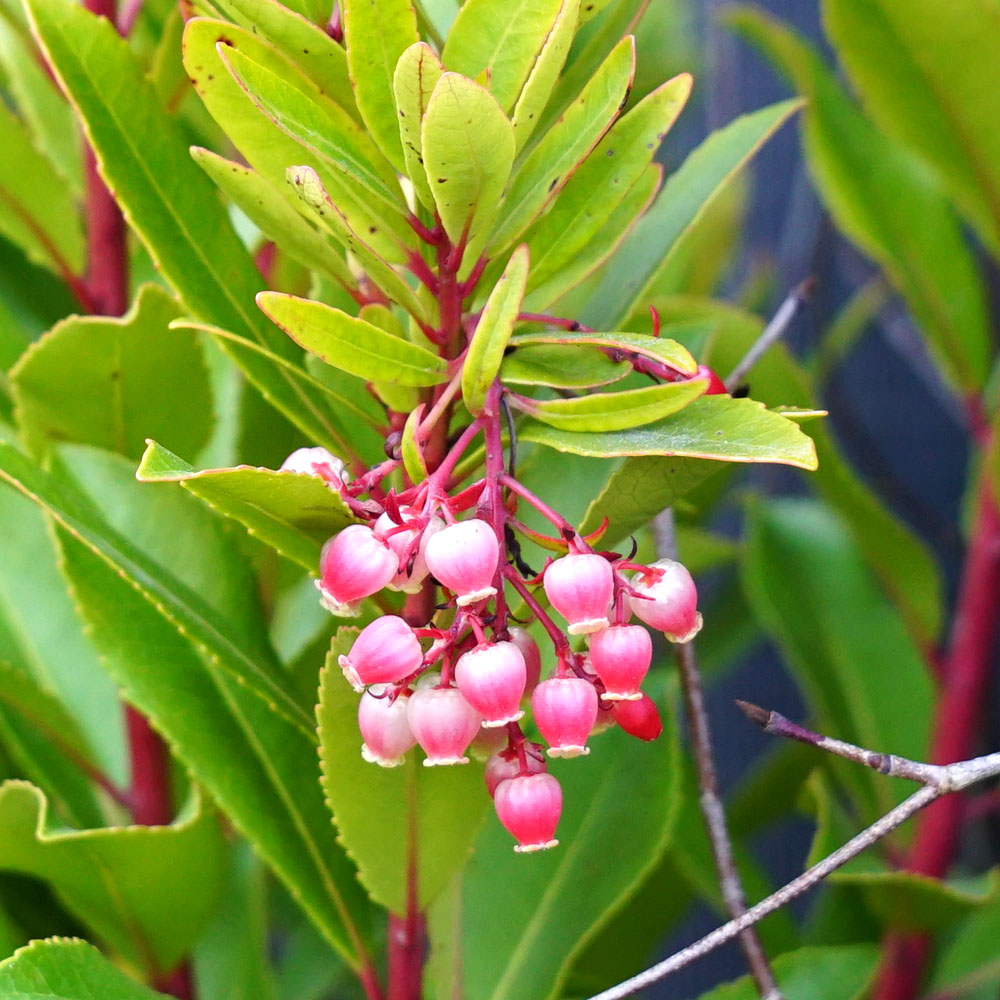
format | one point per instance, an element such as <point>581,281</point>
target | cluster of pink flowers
<point>452,690</point>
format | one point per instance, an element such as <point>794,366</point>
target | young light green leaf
<point>493,331</point>
<point>121,881</point>
<point>662,349</point>
<point>561,367</point>
<point>410,448</point>
<point>352,344</point>
<point>542,78</point>
<point>387,817</point>
<point>111,382</point>
<point>713,427</point>
<point>683,199</point>
<point>292,513</point>
<point>489,37</point>
<point>549,166</point>
<point>615,411</point>
<point>413,82</point>
<point>377,33</point>
<point>468,149</point>
<point>266,206</point>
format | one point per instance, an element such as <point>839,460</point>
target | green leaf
<point>412,452</point>
<point>545,72</point>
<point>391,818</point>
<point>684,198</point>
<point>493,331</point>
<point>562,367</point>
<point>175,600</point>
<point>489,37</point>
<point>713,427</point>
<point>513,924</point>
<point>63,969</point>
<point>809,588</point>
<point>122,882</point>
<point>969,958</point>
<point>352,344</point>
<point>615,411</point>
<point>550,165</point>
<point>377,33</point>
<point>928,81</point>
<point>885,201</point>
<point>413,82</point>
<point>269,210</point>
<point>662,349</point>
<point>292,513</point>
<point>468,150</point>
<point>37,211</point>
<point>112,382</point>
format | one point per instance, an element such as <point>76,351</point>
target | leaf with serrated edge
<point>712,427</point>
<point>548,167</point>
<point>663,349</point>
<point>377,32</point>
<point>561,366</point>
<point>415,77</point>
<point>615,411</point>
<point>492,333</point>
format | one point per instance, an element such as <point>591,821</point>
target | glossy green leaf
<point>266,206</point>
<point>884,200</point>
<point>510,928</point>
<point>121,881</point>
<point>545,72</point>
<point>37,211</point>
<point>810,589</point>
<point>561,366</point>
<point>387,818</point>
<point>969,959</point>
<point>597,187</point>
<point>684,198</point>
<point>413,82</point>
<point>468,150</point>
<point>488,36</point>
<point>291,512</point>
<point>410,448</point>
<point>260,768</point>
<point>112,382</point>
<point>616,411</point>
<point>713,427</point>
<point>377,33</point>
<point>493,332</point>
<point>549,166</point>
<point>352,344</point>
<point>927,80</point>
<point>662,349</point>
<point>63,969</point>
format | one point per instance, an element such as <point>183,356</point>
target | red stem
<point>149,792</point>
<point>956,729</point>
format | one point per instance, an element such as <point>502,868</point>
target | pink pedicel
<point>384,729</point>
<point>668,600</point>
<point>524,641</point>
<point>565,710</point>
<point>529,807</point>
<point>620,656</point>
<point>444,724</point>
<point>385,652</point>
<point>638,718</point>
<point>505,765</point>
<point>354,565</point>
<point>580,588</point>
<point>464,558</point>
<point>491,677</point>
<point>401,538</point>
<point>316,462</point>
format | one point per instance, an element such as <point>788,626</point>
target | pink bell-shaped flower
<point>316,462</point>
<point>444,724</point>
<point>580,587</point>
<point>565,710</point>
<point>385,729</point>
<point>668,600</point>
<point>529,807</point>
<point>640,719</point>
<point>620,656</point>
<point>385,652</point>
<point>400,539</point>
<point>354,565</point>
<point>464,558</point>
<point>506,764</point>
<point>491,677</point>
<point>525,642</point>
